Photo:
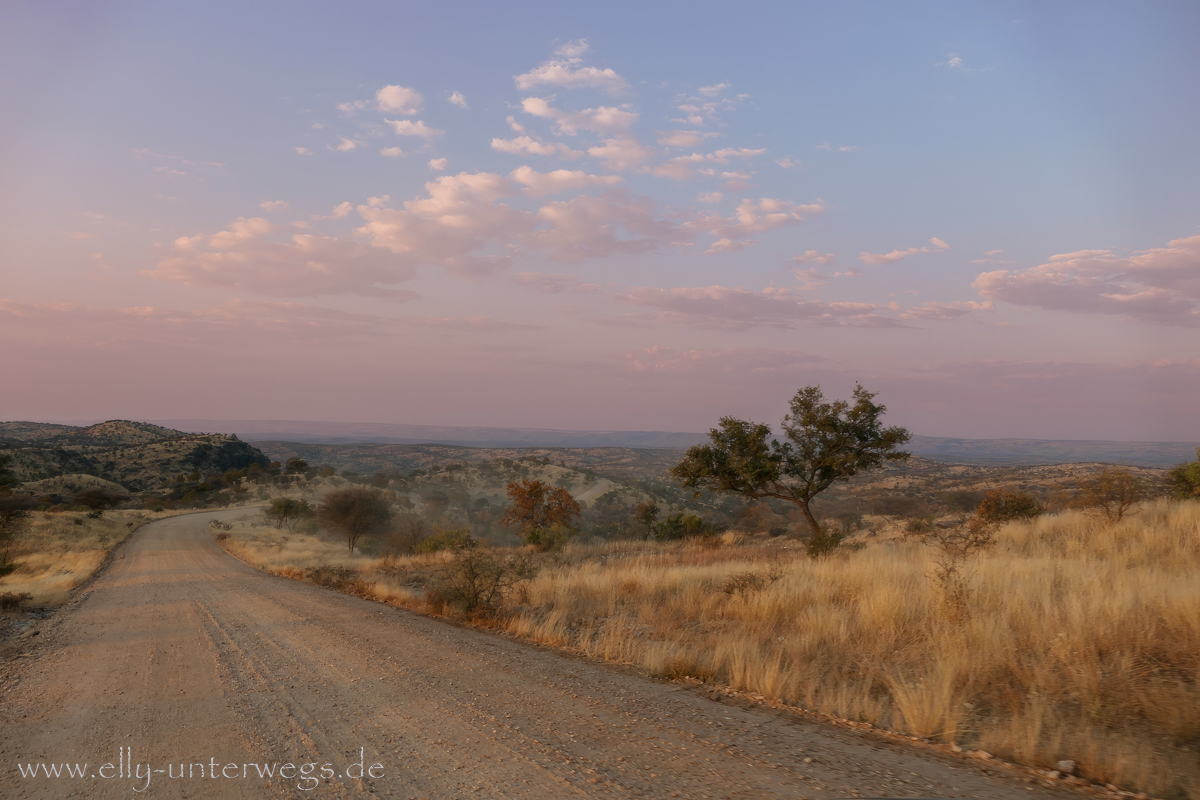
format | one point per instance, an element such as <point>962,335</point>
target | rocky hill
<point>136,455</point>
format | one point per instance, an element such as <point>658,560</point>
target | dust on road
<point>179,655</point>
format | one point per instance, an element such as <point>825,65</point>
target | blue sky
<point>623,216</point>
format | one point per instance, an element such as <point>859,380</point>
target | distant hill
<point>384,433</point>
<point>136,455</point>
<point>1034,452</point>
<point>1000,452</point>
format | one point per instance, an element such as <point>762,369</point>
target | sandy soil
<point>186,656</point>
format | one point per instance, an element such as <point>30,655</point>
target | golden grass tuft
<point>55,555</point>
<point>1079,639</point>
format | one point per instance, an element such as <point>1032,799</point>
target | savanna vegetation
<point>1053,614</point>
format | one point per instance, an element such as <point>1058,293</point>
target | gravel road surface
<point>181,672</point>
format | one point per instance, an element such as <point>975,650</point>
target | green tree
<point>99,499</point>
<point>1184,479</point>
<point>354,513</point>
<point>647,515</point>
<point>682,526</point>
<point>295,466</point>
<point>824,442</point>
<point>287,511</point>
<point>1002,505</point>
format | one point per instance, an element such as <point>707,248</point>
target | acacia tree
<point>1112,493</point>
<point>537,507</point>
<point>287,511</point>
<point>99,499</point>
<point>354,513</point>
<point>823,442</point>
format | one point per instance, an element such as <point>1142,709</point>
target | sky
<point>617,216</point>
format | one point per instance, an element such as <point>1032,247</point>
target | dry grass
<point>1079,639</point>
<point>56,554</point>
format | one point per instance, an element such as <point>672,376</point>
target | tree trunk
<point>812,521</point>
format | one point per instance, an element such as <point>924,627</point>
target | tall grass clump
<point>1069,636</point>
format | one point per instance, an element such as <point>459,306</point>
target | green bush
<point>456,539</point>
<point>1001,505</point>
<point>1185,479</point>
<point>682,526</point>
<point>551,538</point>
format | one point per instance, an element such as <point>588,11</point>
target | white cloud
<point>587,227</point>
<point>603,119</point>
<point>787,163</point>
<point>714,90</point>
<point>404,127</point>
<point>438,164</point>
<point>274,205</point>
<point>392,152</point>
<point>573,49</point>
<point>888,258</point>
<point>682,138</point>
<point>521,145</point>
<point>620,153</point>
<point>243,257</point>
<point>539,184</point>
<point>456,98</point>
<point>938,243</point>
<point>303,151</point>
<point>752,218</point>
<point>849,148</point>
<point>346,145</point>
<point>993,252</point>
<point>814,257</point>
<point>709,197</point>
<point>399,100</point>
<point>566,70</point>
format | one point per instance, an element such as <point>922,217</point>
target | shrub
<point>682,526</point>
<point>1185,479</point>
<point>824,542</point>
<point>1001,505</point>
<point>456,539</point>
<point>551,538</point>
<point>477,580</point>
<point>1112,493</point>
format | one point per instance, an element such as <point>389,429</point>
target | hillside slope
<point>136,455</point>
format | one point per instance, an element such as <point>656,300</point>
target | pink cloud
<point>588,227</point>
<point>1160,285</point>
<point>735,308</point>
<point>539,184</point>
<point>306,265</point>
<point>752,218</point>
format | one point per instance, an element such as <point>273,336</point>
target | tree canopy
<point>823,442</point>
<point>354,513</point>
<point>287,511</point>
<point>537,506</point>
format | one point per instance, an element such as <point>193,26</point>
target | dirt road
<point>199,664</point>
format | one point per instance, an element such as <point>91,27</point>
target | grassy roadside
<point>59,551</point>
<point>1079,640</point>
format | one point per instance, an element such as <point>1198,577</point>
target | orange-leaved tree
<point>538,507</point>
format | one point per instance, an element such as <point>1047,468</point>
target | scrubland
<point>1077,638</point>
<point>58,551</point>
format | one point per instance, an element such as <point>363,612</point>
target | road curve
<point>179,655</point>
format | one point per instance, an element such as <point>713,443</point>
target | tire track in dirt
<point>185,654</point>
